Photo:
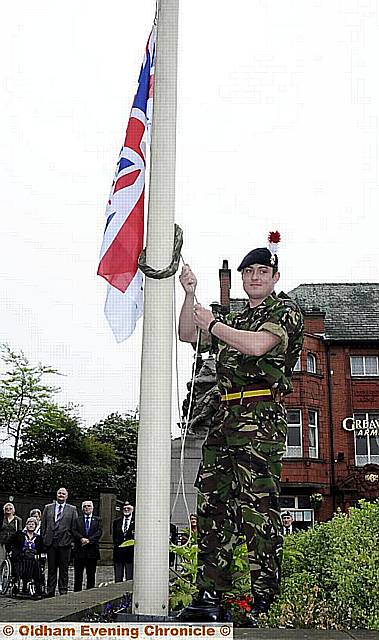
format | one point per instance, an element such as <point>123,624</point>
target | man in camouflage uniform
<point>239,476</point>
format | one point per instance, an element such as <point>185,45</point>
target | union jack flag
<point>124,227</point>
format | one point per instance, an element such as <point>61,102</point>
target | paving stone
<point>288,634</point>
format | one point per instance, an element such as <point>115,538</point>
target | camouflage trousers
<point>238,484</point>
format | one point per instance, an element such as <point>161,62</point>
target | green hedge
<point>22,477</point>
<point>330,577</point>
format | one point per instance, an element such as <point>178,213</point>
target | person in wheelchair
<point>25,548</point>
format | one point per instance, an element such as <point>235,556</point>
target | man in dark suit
<point>289,526</point>
<point>57,529</point>
<point>87,534</point>
<point>123,530</point>
<point>174,541</point>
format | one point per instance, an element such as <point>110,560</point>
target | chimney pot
<point>225,284</point>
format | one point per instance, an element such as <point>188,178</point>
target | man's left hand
<point>202,317</point>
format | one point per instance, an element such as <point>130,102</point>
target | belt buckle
<point>224,403</point>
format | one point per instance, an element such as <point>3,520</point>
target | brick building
<point>333,414</point>
<point>332,456</point>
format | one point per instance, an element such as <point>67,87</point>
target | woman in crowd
<point>36,513</point>
<point>25,548</point>
<point>11,524</point>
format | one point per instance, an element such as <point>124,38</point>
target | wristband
<point>211,325</point>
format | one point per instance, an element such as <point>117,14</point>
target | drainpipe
<point>331,425</point>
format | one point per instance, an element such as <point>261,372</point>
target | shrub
<point>183,587</point>
<point>333,582</point>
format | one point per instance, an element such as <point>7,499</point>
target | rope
<point>171,269</point>
<point>159,274</point>
<point>184,429</point>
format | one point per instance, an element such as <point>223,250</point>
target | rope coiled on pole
<point>171,269</point>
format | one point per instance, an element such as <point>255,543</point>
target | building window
<point>366,436</point>
<point>311,363</point>
<point>303,515</point>
<point>304,518</point>
<point>294,447</point>
<point>313,433</point>
<point>364,365</point>
<point>287,502</point>
<point>297,366</point>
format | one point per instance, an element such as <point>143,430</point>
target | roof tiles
<point>351,309</point>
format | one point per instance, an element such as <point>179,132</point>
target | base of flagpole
<point>132,617</point>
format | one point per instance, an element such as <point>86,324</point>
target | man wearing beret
<point>239,476</point>
<point>289,525</point>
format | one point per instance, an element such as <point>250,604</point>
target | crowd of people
<point>57,536</point>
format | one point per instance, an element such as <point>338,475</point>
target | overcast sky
<point>278,111</point>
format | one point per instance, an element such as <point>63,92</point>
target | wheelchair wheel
<point>5,576</point>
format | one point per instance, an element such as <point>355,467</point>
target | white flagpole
<point>151,563</point>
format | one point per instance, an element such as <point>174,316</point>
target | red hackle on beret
<point>274,237</point>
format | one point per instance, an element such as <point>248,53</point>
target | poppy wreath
<point>239,607</point>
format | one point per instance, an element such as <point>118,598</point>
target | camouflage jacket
<point>278,315</point>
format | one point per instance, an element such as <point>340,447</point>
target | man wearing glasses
<point>87,534</point>
<point>123,555</point>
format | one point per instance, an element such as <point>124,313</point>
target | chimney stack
<point>225,283</point>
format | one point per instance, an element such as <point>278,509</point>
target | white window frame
<point>302,515</point>
<point>313,451</point>
<point>295,451</point>
<point>362,460</point>
<point>311,358</point>
<point>297,366</point>
<point>299,514</point>
<point>364,374</point>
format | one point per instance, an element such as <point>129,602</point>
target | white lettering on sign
<point>362,427</point>
<point>348,424</point>
<point>372,477</point>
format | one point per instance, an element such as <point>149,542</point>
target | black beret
<point>259,256</point>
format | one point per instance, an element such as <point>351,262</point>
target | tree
<point>23,395</point>
<point>99,454</point>
<point>53,436</point>
<point>120,432</point>
<point>56,436</point>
